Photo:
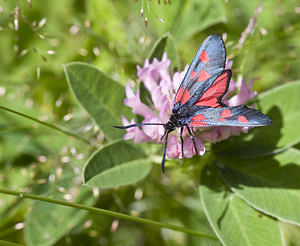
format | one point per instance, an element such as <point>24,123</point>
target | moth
<point>198,100</point>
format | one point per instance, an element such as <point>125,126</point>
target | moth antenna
<point>140,124</point>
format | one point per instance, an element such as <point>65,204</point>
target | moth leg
<point>181,130</point>
<point>189,130</point>
<point>163,135</point>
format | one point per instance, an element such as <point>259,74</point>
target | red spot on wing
<point>202,76</point>
<point>226,113</point>
<point>204,57</point>
<point>197,123</point>
<point>221,119</point>
<point>198,120</point>
<point>193,74</point>
<point>243,119</point>
<point>199,117</point>
<point>217,89</point>
<point>178,95</point>
<point>185,97</point>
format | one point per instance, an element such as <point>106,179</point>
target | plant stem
<point>108,212</point>
<point>46,124</point>
<point>7,231</point>
<point>6,243</point>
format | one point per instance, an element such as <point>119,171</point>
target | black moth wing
<point>228,116</point>
<point>207,65</point>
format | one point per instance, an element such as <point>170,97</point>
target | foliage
<point>65,64</point>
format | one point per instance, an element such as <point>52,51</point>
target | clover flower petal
<point>188,147</point>
<point>133,100</point>
<point>173,148</point>
<point>244,95</point>
<point>154,132</point>
<point>134,133</point>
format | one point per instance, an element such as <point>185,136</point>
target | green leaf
<point>281,104</point>
<point>100,95</point>
<point>165,44</point>
<point>172,52</point>
<point>271,185</point>
<point>291,234</point>
<point>158,48</point>
<point>234,222</point>
<point>11,207</point>
<point>45,222</point>
<point>116,164</point>
<point>197,16</point>
<point>197,220</point>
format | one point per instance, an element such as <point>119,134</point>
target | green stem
<point>108,212</point>
<point>6,243</point>
<point>7,231</point>
<point>46,124</point>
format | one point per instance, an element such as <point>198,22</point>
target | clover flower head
<point>162,86</point>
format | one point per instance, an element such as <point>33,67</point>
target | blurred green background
<point>38,37</point>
